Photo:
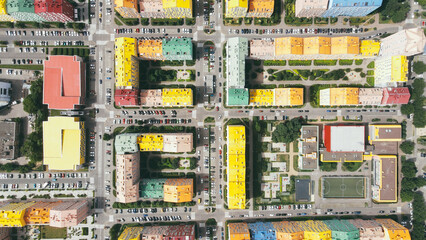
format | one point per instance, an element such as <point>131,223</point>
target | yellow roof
<point>261,97</point>
<point>177,4</point>
<point>399,69</point>
<point>237,3</point>
<point>126,3</point>
<point>178,190</point>
<point>236,167</point>
<point>345,45</point>
<point>151,142</point>
<point>261,6</point>
<point>177,96</point>
<point>151,48</point>
<point>126,65</point>
<point>369,47</point>
<point>315,230</point>
<point>63,143</point>
<point>131,233</point>
<point>12,214</point>
<point>288,45</point>
<point>288,96</point>
<point>344,96</point>
<point>394,229</point>
<point>316,45</point>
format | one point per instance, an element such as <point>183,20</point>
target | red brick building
<point>54,10</point>
<point>180,232</point>
<point>126,97</point>
<point>399,95</point>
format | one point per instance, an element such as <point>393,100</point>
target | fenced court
<point>343,187</point>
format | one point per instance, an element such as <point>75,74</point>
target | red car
<point>217,108</point>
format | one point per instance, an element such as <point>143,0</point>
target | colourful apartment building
<point>238,97</point>
<point>288,96</point>
<point>394,230</point>
<point>370,96</point>
<point>310,8</point>
<point>339,96</point>
<point>165,142</point>
<point>12,214</point>
<point>151,8</point>
<point>236,8</point>
<point>315,230</point>
<point>316,45</point>
<point>64,85</point>
<point>262,97</point>
<point>4,17</point>
<point>69,213</point>
<point>177,8</point>
<point>288,45</point>
<point>54,10</point>
<point>126,64</point>
<point>345,45</point>
<point>262,48</point>
<point>369,48</point>
<point>384,186</point>
<point>178,190</point>
<point>260,8</point>
<point>151,97</point>
<point>236,165</point>
<point>262,231</point>
<point>39,213</point>
<point>127,8</point>
<point>126,97</point>
<point>398,95</point>
<point>127,177</point>
<point>151,49</point>
<point>22,10</point>
<point>342,229</point>
<point>152,188</point>
<point>131,233</point>
<point>389,71</point>
<point>126,143</point>
<point>177,48</point>
<point>174,97</point>
<point>238,231</point>
<point>368,229</point>
<point>64,143</point>
<point>151,142</point>
<point>351,8</point>
<point>285,230</point>
<point>179,232</point>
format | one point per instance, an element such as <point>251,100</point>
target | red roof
<point>400,95</point>
<point>64,85</point>
<point>326,134</point>
<point>54,6</point>
<point>126,97</point>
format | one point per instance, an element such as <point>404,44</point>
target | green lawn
<point>23,67</point>
<point>295,146</point>
<point>48,232</point>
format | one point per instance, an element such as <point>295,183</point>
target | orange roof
<point>238,231</point>
<point>316,45</point>
<point>151,49</point>
<point>394,229</point>
<point>64,85</point>
<point>345,45</point>
<point>288,45</point>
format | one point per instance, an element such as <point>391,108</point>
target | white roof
<point>347,139</point>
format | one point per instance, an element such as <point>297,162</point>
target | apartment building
<point>351,8</point>
<point>127,177</point>
<point>236,165</point>
<point>310,8</point>
<point>54,10</point>
<point>260,8</point>
<point>339,96</point>
<point>4,17</point>
<point>151,9</point>
<point>178,190</point>
<point>238,231</point>
<point>69,213</point>
<point>127,8</point>
<point>177,8</point>
<point>22,10</point>
<point>126,64</point>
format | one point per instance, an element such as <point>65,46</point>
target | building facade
<point>4,17</point>
<point>22,10</point>
<point>351,8</point>
<point>54,10</point>
<point>151,8</point>
<point>5,93</point>
<point>127,8</point>
<point>127,177</point>
<point>310,8</point>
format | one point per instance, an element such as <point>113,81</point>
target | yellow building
<point>339,96</point>
<point>236,166</point>
<point>236,8</point>
<point>177,8</point>
<point>288,45</point>
<point>285,230</point>
<point>260,8</point>
<point>126,64</point>
<point>238,231</point>
<point>178,190</point>
<point>288,96</point>
<point>12,214</point>
<point>151,49</point>
<point>345,45</point>
<point>394,230</point>
<point>151,142</point>
<point>315,230</point>
<point>399,69</point>
<point>389,71</point>
<point>4,17</point>
<point>175,97</point>
<point>39,213</point>
<point>131,233</point>
<point>262,97</point>
<point>369,48</point>
<point>64,143</point>
<point>127,8</point>
<point>316,45</point>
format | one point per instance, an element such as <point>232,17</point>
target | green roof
<point>26,6</point>
<point>238,97</point>
<point>152,188</point>
<point>236,53</point>
<point>342,229</point>
<point>126,143</point>
<point>177,48</point>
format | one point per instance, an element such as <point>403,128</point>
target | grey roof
<point>126,143</point>
<point>347,139</point>
<point>9,142</point>
<point>237,51</point>
<point>303,190</point>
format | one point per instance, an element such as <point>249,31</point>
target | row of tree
<point>416,107</point>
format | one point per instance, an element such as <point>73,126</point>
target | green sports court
<point>343,187</point>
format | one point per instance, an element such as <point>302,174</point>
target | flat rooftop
<point>303,190</point>
<point>345,138</point>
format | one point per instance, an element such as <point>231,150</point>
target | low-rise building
<point>385,133</point>
<point>54,10</point>
<point>127,177</point>
<point>69,213</point>
<point>308,147</point>
<point>178,190</point>
<point>351,8</point>
<point>285,230</point>
<point>236,165</point>
<point>131,233</point>
<point>64,143</point>
<point>310,8</point>
<point>368,229</point>
<point>260,8</point>
<point>177,9</point>
<point>238,231</point>
<point>343,143</point>
<point>370,96</point>
<point>177,48</point>
<point>236,8</point>
<point>9,130</point>
<point>391,70</point>
<point>393,230</point>
<point>303,190</point>
<point>127,8</point>
<point>407,42</point>
<point>339,96</point>
<point>126,64</point>
<point>399,95</point>
<point>385,178</point>
<point>342,229</point>
<point>315,230</point>
<point>151,8</point>
<point>12,214</point>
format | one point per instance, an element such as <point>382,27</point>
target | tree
<point>33,146</point>
<point>407,109</point>
<point>419,67</point>
<point>114,230</point>
<point>106,137</point>
<point>407,147</point>
<point>288,131</point>
<point>34,101</point>
<point>409,169</point>
<point>406,195</point>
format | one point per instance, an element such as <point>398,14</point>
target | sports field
<point>343,187</point>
